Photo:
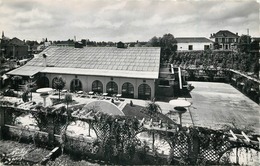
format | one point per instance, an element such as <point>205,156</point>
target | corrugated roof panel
<point>109,58</point>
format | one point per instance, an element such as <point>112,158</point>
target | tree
<point>68,99</point>
<point>168,46</point>
<point>59,84</point>
<point>153,108</point>
<point>244,43</point>
<point>154,42</point>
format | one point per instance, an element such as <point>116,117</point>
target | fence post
<point>195,149</point>
<point>2,122</point>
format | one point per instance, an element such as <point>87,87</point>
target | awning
<point>26,71</point>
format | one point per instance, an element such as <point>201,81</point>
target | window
<point>206,47</point>
<point>112,88</point>
<point>128,90</point>
<point>190,47</point>
<point>226,47</point>
<point>75,85</point>
<point>97,86</point>
<point>43,82</point>
<point>144,91</point>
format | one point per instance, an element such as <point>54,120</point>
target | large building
<point>13,48</point>
<point>193,43</point>
<point>225,39</point>
<point>133,72</point>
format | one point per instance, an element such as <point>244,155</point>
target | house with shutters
<point>225,39</point>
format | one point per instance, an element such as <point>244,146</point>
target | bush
<point>10,93</point>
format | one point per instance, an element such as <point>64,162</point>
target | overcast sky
<point>125,20</point>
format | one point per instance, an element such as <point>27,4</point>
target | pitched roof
<point>17,42</point>
<point>224,33</point>
<point>134,62</point>
<point>26,70</point>
<point>193,40</point>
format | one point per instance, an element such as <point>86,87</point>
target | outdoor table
<point>179,107</point>
<point>80,92</point>
<point>179,103</point>
<point>118,96</point>
<point>64,91</point>
<point>105,95</point>
<point>44,93</point>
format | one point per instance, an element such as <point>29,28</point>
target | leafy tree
<point>25,96</point>
<point>168,46</point>
<point>153,108</point>
<point>154,42</point>
<point>244,43</point>
<point>68,99</point>
<point>59,84</point>
<point>167,43</point>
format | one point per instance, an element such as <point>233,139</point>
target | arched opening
<point>75,85</point>
<point>128,90</point>
<point>43,82</point>
<point>97,86</point>
<point>144,92</point>
<point>112,88</point>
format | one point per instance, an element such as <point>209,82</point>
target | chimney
<point>45,60</point>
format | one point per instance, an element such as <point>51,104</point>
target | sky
<point>126,20</point>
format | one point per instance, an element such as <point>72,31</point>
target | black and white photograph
<point>129,82</point>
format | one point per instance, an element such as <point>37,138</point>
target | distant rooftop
<point>224,33</point>
<point>193,40</point>
<point>132,62</point>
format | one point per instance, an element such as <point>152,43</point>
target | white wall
<point>88,80</point>
<point>196,46</point>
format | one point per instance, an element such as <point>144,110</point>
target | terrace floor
<point>217,104</point>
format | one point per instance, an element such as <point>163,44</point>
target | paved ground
<point>216,104</point>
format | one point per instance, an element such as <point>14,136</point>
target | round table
<point>179,107</point>
<point>44,93</point>
<point>179,103</point>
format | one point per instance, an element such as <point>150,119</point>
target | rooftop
<point>134,62</point>
<point>224,33</point>
<point>193,40</point>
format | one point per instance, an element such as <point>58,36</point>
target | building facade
<point>225,39</point>
<point>131,72</point>
<point>193,43</point>
<point>13,48</point>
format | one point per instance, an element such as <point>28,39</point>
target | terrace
<point>214,105</point>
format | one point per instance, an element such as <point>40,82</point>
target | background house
<point>225,39</point>
<point>13,48</point>
<point>193,43</point>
